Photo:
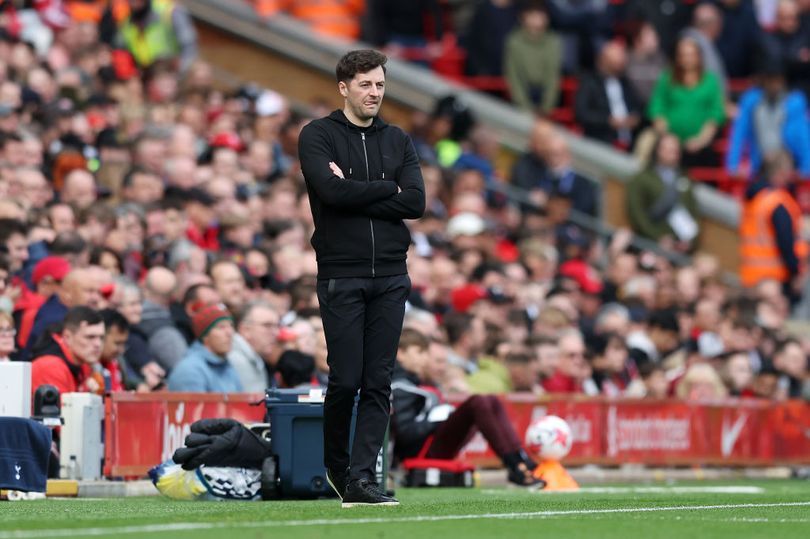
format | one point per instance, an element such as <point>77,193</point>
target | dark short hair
<point>359,61</point>
<point>114,319</point>
<point>10,227</point>
<point>77,316</point>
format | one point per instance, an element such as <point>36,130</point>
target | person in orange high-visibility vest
<point>336,18</point>
<point>771,246</point>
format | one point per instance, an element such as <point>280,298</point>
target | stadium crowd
<point>155,231</point>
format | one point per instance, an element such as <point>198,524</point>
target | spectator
<point>606,104</point>
<point>486,36</point>
<point>14,244</point>
<point>741,32</point>
<point>78,288</point>
<point>7,333</point>
<point>420,419</point>
<point>791,362</point>
<point>66,358</point>
<point>229,282</point>
<point>660,202</point>
<point>333,18</point>
<point>736,373</point>
<point>562,181</point>
<point>701,383</point>
<point>584,26</point>
<point>205,367</point>
<point>688,102</point>
<point>789,45</point>
<point>79,189</point>
<point>201,292</point>
<point>531,166</point>
<point>707,24</point>
<point>47,276</point>
<point>139,370</point>
<point>573,373</point>
<point>668,18</point>
<point>112,352</point>
<point>771,119</point>
<point>158,30</point>
<point>646,61</point>
<point>254,346</point>
<point>166,344</point>
<point>612,368</point>
<point>532,61</point>
<point>771,245</point>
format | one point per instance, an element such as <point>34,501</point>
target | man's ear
<point>344,90</point>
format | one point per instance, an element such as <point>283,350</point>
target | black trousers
<point>362,320</point>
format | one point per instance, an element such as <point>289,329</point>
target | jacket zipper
<point>370,222</point>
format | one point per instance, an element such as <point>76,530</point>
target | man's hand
<point>336,170</point>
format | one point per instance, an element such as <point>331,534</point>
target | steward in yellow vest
<point>158,30</point>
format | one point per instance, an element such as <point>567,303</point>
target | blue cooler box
<point>296,439</point>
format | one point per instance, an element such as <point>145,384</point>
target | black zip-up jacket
<point>412,404</point>
<point>358,220</point>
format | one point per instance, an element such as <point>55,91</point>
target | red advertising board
<point>144,430</point>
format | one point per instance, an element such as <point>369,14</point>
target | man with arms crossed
<point>363,179</point>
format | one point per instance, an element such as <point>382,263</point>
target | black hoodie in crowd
<point>358,220</point>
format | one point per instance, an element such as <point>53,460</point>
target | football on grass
<point>550,437</point>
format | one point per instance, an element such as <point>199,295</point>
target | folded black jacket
<point>358,220</point>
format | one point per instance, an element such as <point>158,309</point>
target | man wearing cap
<point>205,367</point>
<point>47,278</point>
<point>363,180</point>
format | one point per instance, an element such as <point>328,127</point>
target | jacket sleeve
<point>799,130</point>
<point>741,132</point>
<point>168,346</point>
<point>315,154</point>
<point>408,430</point>
<point>408,204</point>
<point>551,86</point>
<point>783,232</point>
<point>637,207</point>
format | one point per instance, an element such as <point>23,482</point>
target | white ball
<point>550,437</point>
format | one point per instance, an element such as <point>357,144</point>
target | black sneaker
<point>362,492</point>
<point>338,480</point>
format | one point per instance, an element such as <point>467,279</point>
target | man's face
<point>230,284</point>
<point>17,247</point>
<point>86,342</point>
<point>260,330</point>
<point>219,338</point>
<point>364,93</point>
<point>114,343</point>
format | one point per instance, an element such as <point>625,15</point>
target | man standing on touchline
<point>363,178</point>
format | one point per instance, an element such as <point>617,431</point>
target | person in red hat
<point>47,278</point>
<point>205,367</point>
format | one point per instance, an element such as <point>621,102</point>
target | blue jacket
<point>202,371</point>
<point>795,132</point>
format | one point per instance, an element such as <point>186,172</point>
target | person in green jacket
<point>687,101</point>
<point>661,204</point>
<point>532,59</point>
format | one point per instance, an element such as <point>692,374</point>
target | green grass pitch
<point>742,509</point>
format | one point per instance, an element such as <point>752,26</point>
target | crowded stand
<point>155,227</point>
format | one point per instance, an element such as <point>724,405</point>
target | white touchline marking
<point>189,526</point>
<point>638,490</point>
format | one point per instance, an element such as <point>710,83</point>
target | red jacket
<point>61,371</point>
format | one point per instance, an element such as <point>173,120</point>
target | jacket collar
<point>339,117</point>
<point>207,355</point>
